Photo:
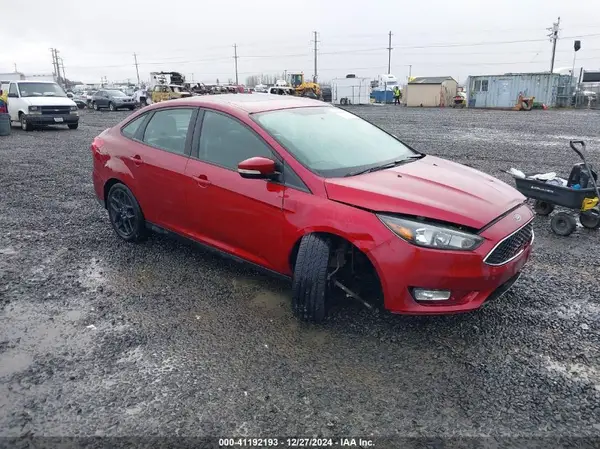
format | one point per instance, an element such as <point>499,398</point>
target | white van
<point>36,103</point>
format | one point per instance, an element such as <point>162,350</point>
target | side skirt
<point>160,230</point>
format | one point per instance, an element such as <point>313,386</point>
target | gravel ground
<point>100,337</point>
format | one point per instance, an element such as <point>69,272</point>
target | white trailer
<point>346,91</point>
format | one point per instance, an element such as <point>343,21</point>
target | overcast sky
<point>98,38</point>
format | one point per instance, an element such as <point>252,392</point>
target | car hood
<point>48,101</point>
<point>429,187</point>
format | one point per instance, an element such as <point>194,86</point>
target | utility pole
<point>137,72</point>
<point>409,71</point>
<point>235,57</point>
<point>315,76</point>
<point>390,53</point>
<point>553,38</point>
<point>15,67</point>
<point>62,64</point>
<point>54,52</point>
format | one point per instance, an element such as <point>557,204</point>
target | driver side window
<point>226,142</point>
<point>13,89</point>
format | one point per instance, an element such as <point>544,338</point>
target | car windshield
<point>332,142</point>
<point>41,90</point>
<point>116,93</point>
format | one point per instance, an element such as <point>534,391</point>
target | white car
<point>37,103</point>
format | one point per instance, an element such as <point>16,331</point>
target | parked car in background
<point>80,100</point>
<point>112,99</point>
<point>316,194</point>
<point>37,103</point>
<point>89,96</point>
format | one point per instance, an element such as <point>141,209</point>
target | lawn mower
<point>580,193</point>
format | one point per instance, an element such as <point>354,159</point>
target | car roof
<point>250,103</point>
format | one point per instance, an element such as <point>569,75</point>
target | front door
<point>241,216</point>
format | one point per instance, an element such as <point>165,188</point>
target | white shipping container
<point>351,91</point>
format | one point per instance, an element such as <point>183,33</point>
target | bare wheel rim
<point>122,213</point>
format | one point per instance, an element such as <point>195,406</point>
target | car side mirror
<point>258,168</point>
<point>13,95</point>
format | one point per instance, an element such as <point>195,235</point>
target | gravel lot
<point>100,337</point>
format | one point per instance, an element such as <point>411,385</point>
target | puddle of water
<point>273,303</point>
<point>74,315</point>
<point>14,361</point>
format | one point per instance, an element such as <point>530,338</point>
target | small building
<point>502,91</point>
<point>430,91</point>
<point>12,76</point>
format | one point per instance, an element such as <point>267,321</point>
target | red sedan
<point>316,194</point>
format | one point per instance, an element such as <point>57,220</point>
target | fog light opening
<point>423,294</point>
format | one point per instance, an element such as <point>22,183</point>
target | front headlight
<point>34,108</point>
<point>73,108</point>
<point>430,235</point>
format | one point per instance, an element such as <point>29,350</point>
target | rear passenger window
<point>131,128</point>
<point>168,128</point>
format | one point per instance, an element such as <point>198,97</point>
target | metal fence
<point>586,96</point>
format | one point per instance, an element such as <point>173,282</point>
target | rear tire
<point>563,224</point>
<point>125,214</point>
<point>543,208</point>
<point>590,219</point>
<point>310,287</point>
<point>111,106</point>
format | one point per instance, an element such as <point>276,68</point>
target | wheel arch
<point>108,185</point>
<point>338,240</point>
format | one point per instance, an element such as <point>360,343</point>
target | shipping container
<point>502,91</point>
<point>351,91</point>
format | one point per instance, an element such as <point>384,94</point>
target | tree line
<point>263,78</point>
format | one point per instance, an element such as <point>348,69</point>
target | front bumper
<point>51,119</point>
<point>402,266</point>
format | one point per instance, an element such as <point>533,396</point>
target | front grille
<point>511,246</point>
<point>56,110</point>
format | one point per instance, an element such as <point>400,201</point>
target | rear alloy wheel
<point>111,106</point>
<point>125,214</point>
<point>310,286</point>
<point>563,224</point>
<point>590,219</point>
<point>543,208</point>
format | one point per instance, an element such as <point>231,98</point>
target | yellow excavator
<point>303,88</point>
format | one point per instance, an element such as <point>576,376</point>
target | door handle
<point>202,180</point>
<point>137,160</point>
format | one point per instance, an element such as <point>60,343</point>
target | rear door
<point>241,216</point>
<point>157,155</point>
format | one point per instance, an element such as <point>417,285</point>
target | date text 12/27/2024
<point>295,442</point>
